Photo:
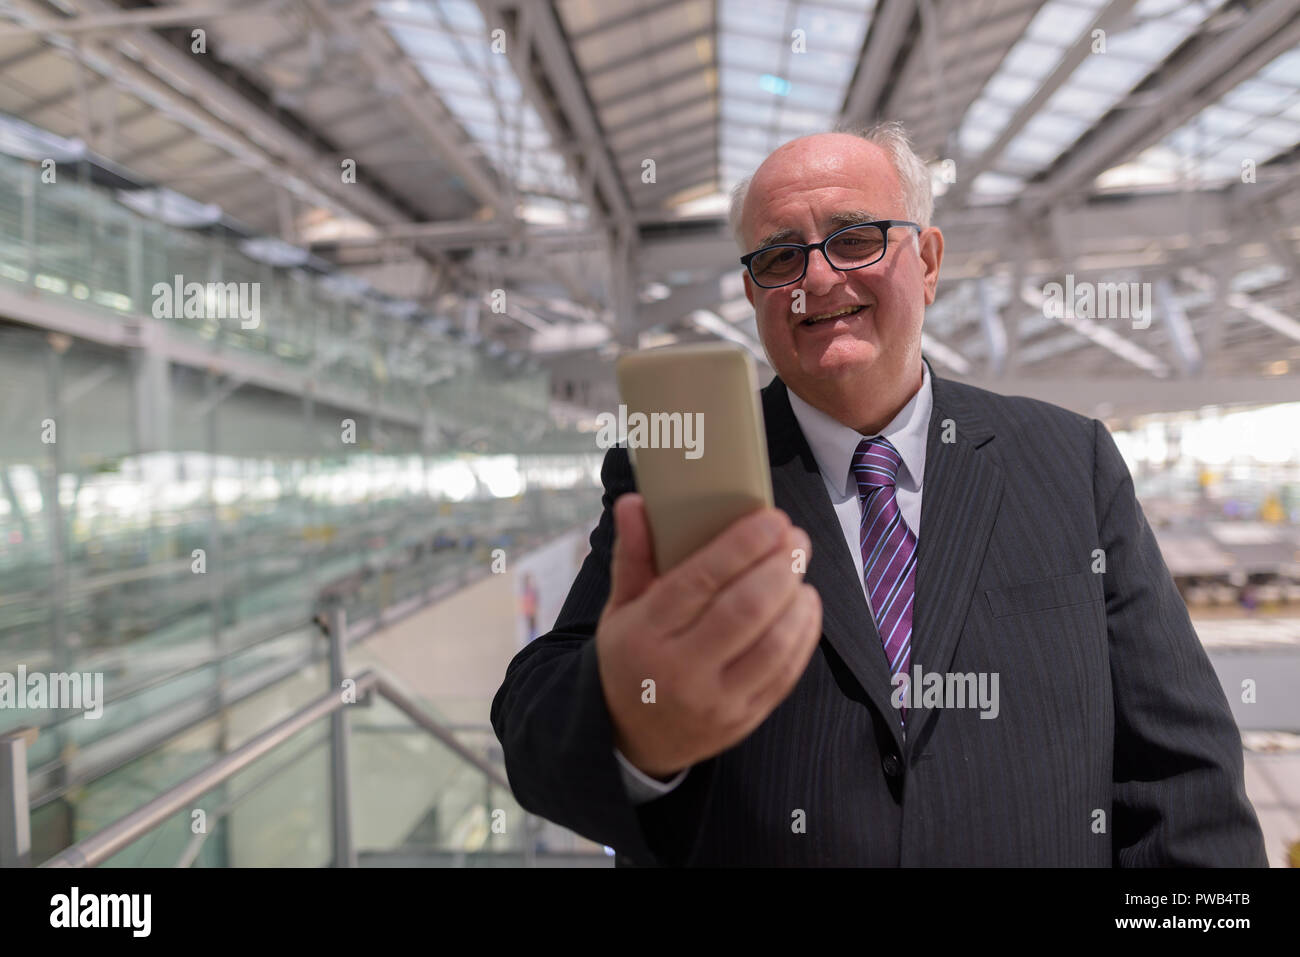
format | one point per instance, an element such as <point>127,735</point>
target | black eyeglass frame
<point>884,225</point>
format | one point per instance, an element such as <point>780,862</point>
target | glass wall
<point>178,485</point>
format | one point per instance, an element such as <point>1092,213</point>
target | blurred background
<point>307,309</point>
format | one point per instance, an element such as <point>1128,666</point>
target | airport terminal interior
<point>308,309</point>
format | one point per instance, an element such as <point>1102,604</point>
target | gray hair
<point>890,136</point>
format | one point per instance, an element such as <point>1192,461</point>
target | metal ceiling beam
<point>22,56</point>
<point>705,180</point>
<point>664,46</point>
<point>130,19</point>
<point>994,333</point>
<point>653,194</point>
<point>889,30</point>
<point>673,157</point>
<point>1125,229</point>
<point>657,136</point>
<point>638,90</point>
<point>428,117</point>
<point>639,13</point>
<point>913,77</point>
<point>706,320</point>
<point>158,146</point>
<point>705,294</point>
<point>550,57</point>
<point>714,250</point>
<point>274,150</point>
<point>1246,304</point>
<point>1101,335</point>
<point>1273,183</point>
<point>1181,336</point>
<point>658,113</point>
<point>1113,14</point>
<point>218,169</point>
<point>697,99</point>
<point>470,234</point>
<point>63,95</point>
<point>1270,29</point>
<point>950,357</point>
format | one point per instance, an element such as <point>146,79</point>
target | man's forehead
<point>834,219</point>
<point>836,176</point>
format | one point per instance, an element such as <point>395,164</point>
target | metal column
<point>15,810</point>
<point>345,853</point>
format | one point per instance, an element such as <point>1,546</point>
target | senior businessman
<point>985,662</point>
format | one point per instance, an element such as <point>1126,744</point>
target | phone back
<point>696,439</point>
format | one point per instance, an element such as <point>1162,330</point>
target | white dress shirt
<point>833,444</point>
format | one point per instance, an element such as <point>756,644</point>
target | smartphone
<point>694,431</point>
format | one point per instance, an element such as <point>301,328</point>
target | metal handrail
<point>102,845</point>
<point>108,841</point>
<point>460,577</point>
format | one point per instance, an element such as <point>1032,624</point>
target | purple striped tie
<point>888,550</point>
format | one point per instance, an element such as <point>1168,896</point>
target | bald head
<point>827,159</point>
<point>871,149</point>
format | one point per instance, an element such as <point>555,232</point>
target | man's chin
<point>840,359</point>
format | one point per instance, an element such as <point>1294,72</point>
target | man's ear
<point>930,247</point>
<point>749,285</point>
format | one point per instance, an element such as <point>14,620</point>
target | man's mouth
<point>826,317</point>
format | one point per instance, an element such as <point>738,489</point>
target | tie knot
<point>875,464</point>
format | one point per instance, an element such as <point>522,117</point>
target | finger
<point>789,664</point>
<point>740,613</point>
<point>681,595</point>
<point>754,669</point>
<point>632,567</point>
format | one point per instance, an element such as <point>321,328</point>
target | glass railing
<point>277,812</point>
<point>414,800</point>
<point>395,559</point>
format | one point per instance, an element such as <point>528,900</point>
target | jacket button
<point>893,767</point>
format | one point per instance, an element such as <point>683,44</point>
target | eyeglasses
<point>845,249</point>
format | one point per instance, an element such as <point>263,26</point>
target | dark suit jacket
<point>1114,744</point>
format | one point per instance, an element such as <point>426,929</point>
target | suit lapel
<point>798,489</point>
<point>959,503</point>
<point>961,492</point>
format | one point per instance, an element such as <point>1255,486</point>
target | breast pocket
<point>1059,592</point>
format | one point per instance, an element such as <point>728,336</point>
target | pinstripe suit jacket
<point>1113,744</point>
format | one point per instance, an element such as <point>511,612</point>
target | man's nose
<point>821,276</point>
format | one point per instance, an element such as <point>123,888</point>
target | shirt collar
<point>833,443</point>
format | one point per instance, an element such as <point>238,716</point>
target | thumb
<point>632,568</point>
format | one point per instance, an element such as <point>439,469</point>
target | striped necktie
<point>888,550</point>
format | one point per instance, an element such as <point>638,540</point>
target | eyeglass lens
<point>849,249</point>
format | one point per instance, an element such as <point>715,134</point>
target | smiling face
<point>866,364</point>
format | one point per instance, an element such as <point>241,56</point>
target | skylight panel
<point>449,43</point>
<point>769,91</point>
<point>749,52</point>
<point>1285,70</point>
<point>1259,97</point>
<point>1097,85</point>
<point>1255,120</point>
<point>1062,25</point>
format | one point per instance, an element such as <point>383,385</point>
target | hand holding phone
<point>713,613</point>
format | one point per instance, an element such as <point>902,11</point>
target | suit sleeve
<point>1179,789</point>
<point>556,732</point>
